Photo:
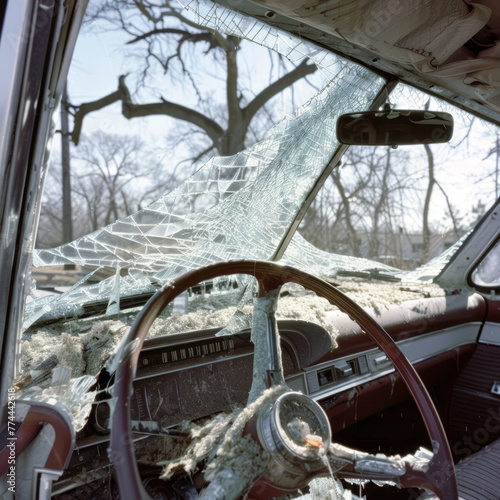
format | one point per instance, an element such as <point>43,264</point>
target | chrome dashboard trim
<point>416,349</point>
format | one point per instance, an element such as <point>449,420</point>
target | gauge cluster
<point>189,376</point>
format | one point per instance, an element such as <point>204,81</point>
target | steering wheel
<point>438,475</point>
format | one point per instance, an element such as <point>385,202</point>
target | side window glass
<point>487,273</point>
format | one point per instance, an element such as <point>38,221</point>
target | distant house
<point>403,250</point>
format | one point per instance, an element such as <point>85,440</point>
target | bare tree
<point>361,209</point>
<point>107,169</point>
<point>164,40</point>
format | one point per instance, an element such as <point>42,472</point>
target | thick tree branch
<point>158,31</point>
<point>212,129</point>
<point>303,69</point>
<point>185,36</point>
<point>132,110</point>
<point>89,107</point>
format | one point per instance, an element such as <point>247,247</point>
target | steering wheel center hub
<point>299,429</point>
<point>296,434</point>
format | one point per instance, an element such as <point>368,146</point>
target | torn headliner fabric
<point>428,38</point>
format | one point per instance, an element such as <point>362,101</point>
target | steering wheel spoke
<point>267,366</point>
<point>349,463</point>
<point>421,470</point>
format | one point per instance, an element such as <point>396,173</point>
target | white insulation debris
<point>63,367</point>
<point>236,445</point>
<point>327,488</point>
<point>231,455</point>
<point>85,353</point>
<point>204,441</point>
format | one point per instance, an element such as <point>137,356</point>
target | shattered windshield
<point>237,206</point>
<point>382,213</point>
<point>198,135</point>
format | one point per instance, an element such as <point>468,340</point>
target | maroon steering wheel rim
<point>440,475</point>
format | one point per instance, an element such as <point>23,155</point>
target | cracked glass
<point>233,207</point>
<point>379,223</point>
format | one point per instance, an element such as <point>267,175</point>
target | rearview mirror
<point>396,127</point>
